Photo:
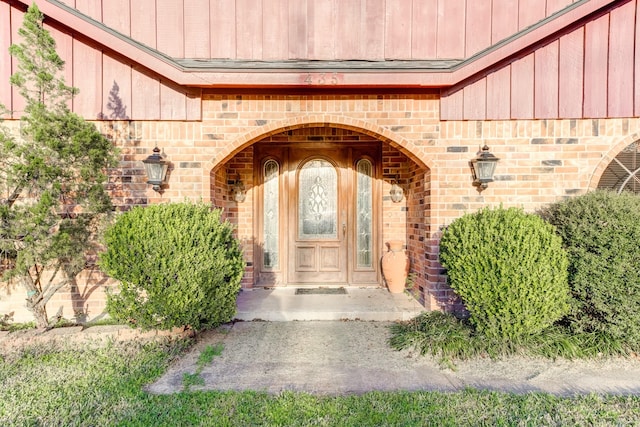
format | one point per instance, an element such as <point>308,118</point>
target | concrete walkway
<point>286,304</point>
<point>327,351</point>
<point>354,357</point>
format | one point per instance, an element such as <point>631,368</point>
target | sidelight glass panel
<point>318,200</point>
<point>364,207</point>
<point>271,218</point>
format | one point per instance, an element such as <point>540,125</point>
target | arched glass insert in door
<point>364,208</point>
<point>271,215</point>
<point>622,173</point>
<point>318,200</point>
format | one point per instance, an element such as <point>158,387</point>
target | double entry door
<point>317,214</point>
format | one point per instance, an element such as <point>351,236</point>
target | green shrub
<point>178,265</point>
<point>510,270</point>
<point>601,232</point>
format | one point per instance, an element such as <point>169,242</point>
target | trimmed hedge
<point>178,265</point>
<point>510,270</point>
<point>601,233</point>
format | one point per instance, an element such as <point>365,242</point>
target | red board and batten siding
<point>621,61</point>
<point>5,58</point>
<point>532,11</point>
<point>144,26</point>
<point>318,29</point>
<point>636,73</point>
<point>570,75</point>
<point>545,88</point>
<point>18,102</point>
<point>588,72</point>
<point>99,75</point>
<point>87,65</point>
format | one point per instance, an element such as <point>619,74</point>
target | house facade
<point>299,118</point>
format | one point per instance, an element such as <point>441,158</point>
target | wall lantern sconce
<point>156,168</point>
<point>483,167</point>
<point>239,193</point>
<point>396,192</point>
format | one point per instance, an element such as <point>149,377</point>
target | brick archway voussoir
<point>315,120</point>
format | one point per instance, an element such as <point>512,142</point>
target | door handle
<point>344,228</point>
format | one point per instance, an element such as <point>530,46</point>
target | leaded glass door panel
<point>318,250</point>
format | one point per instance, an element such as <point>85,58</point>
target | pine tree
<point>52,175</point>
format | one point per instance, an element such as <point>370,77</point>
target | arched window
<point>623,172</point>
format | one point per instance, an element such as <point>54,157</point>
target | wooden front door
<point>318,219</point>
<point>317,214</point>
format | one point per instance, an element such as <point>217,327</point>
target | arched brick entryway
<point>321,120</point>
<point>408,220</point>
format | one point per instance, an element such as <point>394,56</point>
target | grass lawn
<point>102,384</point>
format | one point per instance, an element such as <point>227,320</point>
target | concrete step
<point>365,304</point>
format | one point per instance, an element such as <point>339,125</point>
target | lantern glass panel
<point>484,170</point>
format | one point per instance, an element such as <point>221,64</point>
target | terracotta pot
<point>395,267</point>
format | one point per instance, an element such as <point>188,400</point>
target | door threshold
<point>321,291</point>
<point>322,285</point>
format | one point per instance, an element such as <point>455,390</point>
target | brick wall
<point>83,301</point>
<point>541,161</point>
<point>418,212</point>
<point>240,168</point>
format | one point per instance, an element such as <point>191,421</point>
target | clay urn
<point>395,266</point>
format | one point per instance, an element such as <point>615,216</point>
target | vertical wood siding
<point>248,29</point>
<point>478,33</point>
<point>116,15</point>
<point>296,36</point>
<point>504,18</point>
<point>197,39</point>
<point>397,37</point>
<point>595,67</point>
<point>89,8</point>
<point>5,58</point>
<point>636,86</point>
<point>170,27</point>
<point>571,77</point>
<point>621,61</point>
<point>116,83</point>
<point>522,74</point>
<point>477,91</point>
<point>143,22</point>
<point>451,34</point>
<point>173,103</point>
<point>530,12</point>
<point>223,17</point>
<point>147,96</point>
<point>275,29</point>
<point>321,30</point>
<point>499,94</point>
<point>588,72</point>
<point>87,65</point>
<point>107,83</point>
<point>546,82</point>
<point>424,32</point>
<point>17,105</point>
<point>318,29</point>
